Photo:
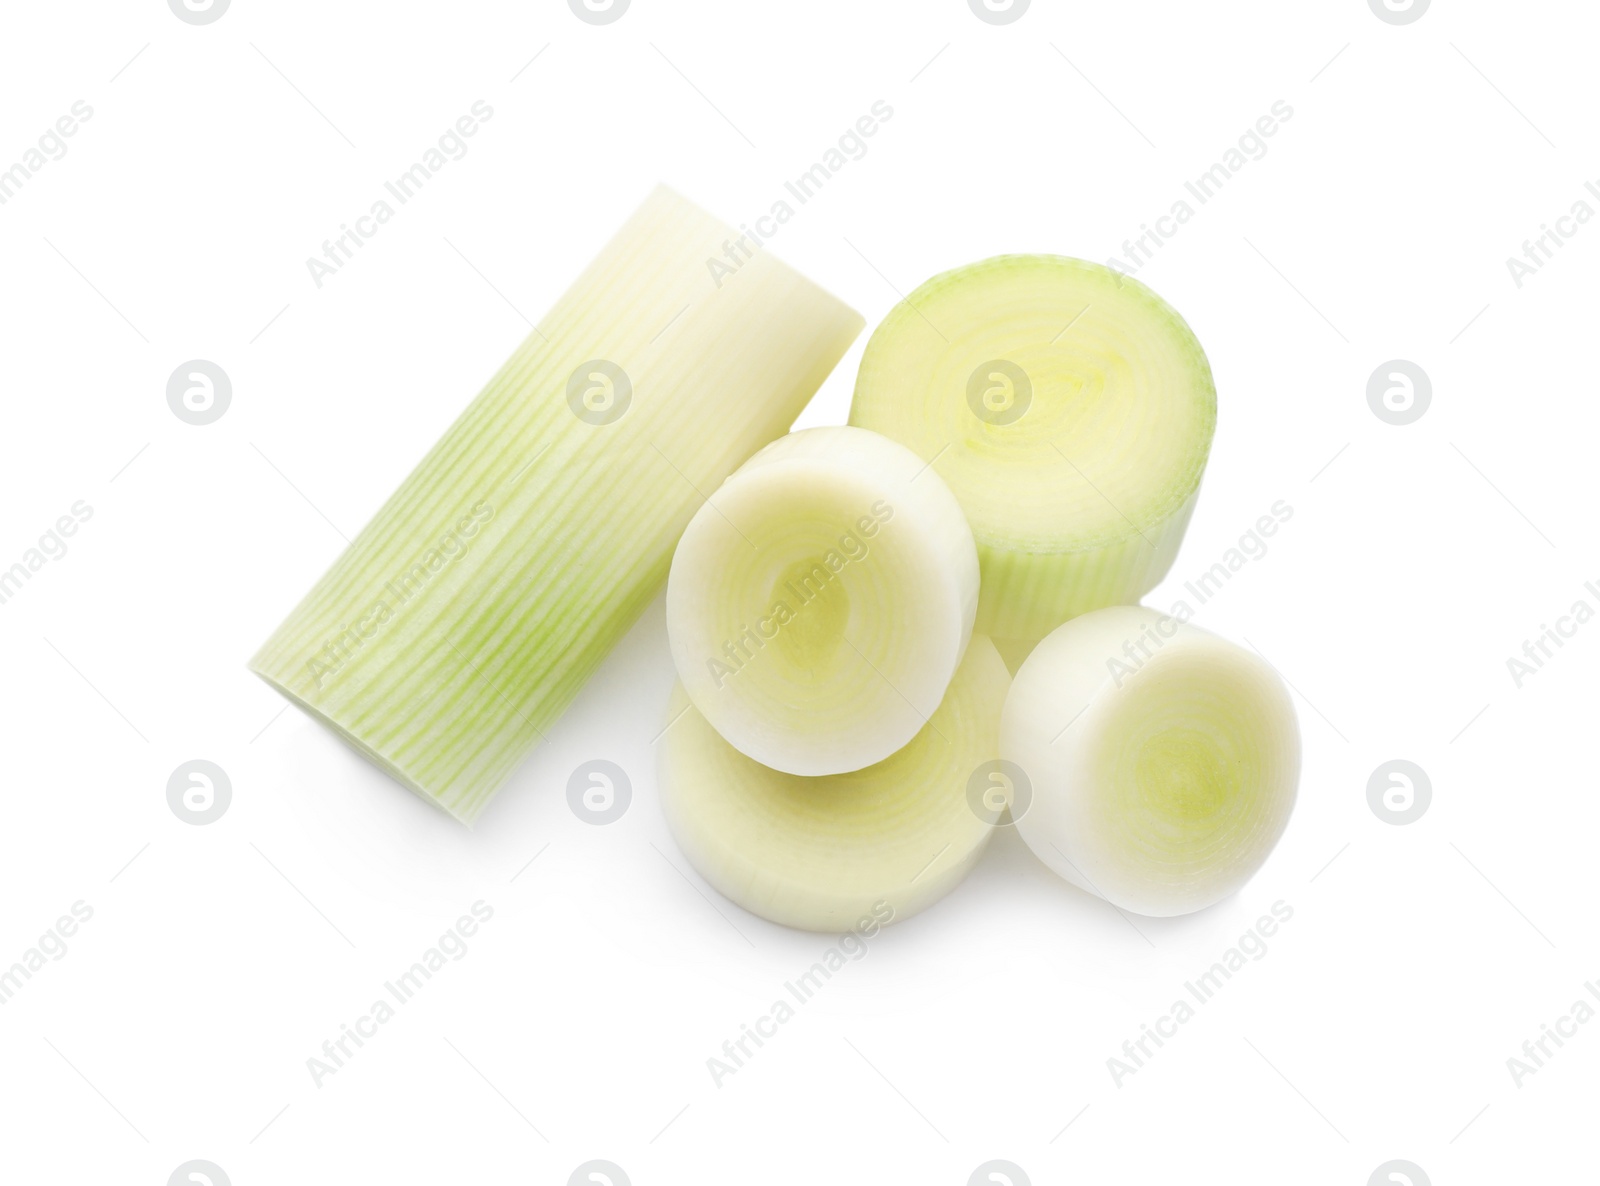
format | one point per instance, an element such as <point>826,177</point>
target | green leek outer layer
<point>821,853</point>
<point>1071,411</point>
<point>468,613</point>
<point>1163,761</point>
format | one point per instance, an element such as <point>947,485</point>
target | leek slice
<point>1071,411</point>
<point>1163,760</point>
<point>469,612</point>
<point>822,853</point>
<point>821,599</point>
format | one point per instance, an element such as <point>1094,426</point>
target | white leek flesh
<point>1163,761</point>
<point>820,601</point>
<point>467,614</point>
<point>1071,411</point>
<point>822,853</point>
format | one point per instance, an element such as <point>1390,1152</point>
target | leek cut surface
<point>1163,761</point>
<point>1071,411</point>
<point>821,599</point>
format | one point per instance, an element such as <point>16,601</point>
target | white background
<point>1418,559</point>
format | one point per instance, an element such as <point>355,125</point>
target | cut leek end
<point>1163,761</point>
<point>463,809</point>
<point>820,601</point>
<point>820,854</point>
<point>1070,409</point>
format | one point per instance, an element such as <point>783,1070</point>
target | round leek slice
<point>820,601</point>
<point>1071,411</point>
<point>823,853</point>
<point>1162,760</point>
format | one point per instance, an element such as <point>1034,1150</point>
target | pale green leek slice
<point>1071,411</point>
<point>1162,761</point>
<point>821,599</point>
<point>468,613</point>
<point>823,853</point>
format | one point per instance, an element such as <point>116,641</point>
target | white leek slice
<point>1162,760</point>
<point>1071,411</point>
<point>469,612</point>
<point>820,601</point>
<point>823,853</point>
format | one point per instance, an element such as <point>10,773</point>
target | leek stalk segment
<point>821,599</point>
<point>1163,761</point>
<point>465,617</point>
<point>1071,411</point>
<point>820,853</point>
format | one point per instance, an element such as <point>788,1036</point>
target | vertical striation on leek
<point>467,614</point>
